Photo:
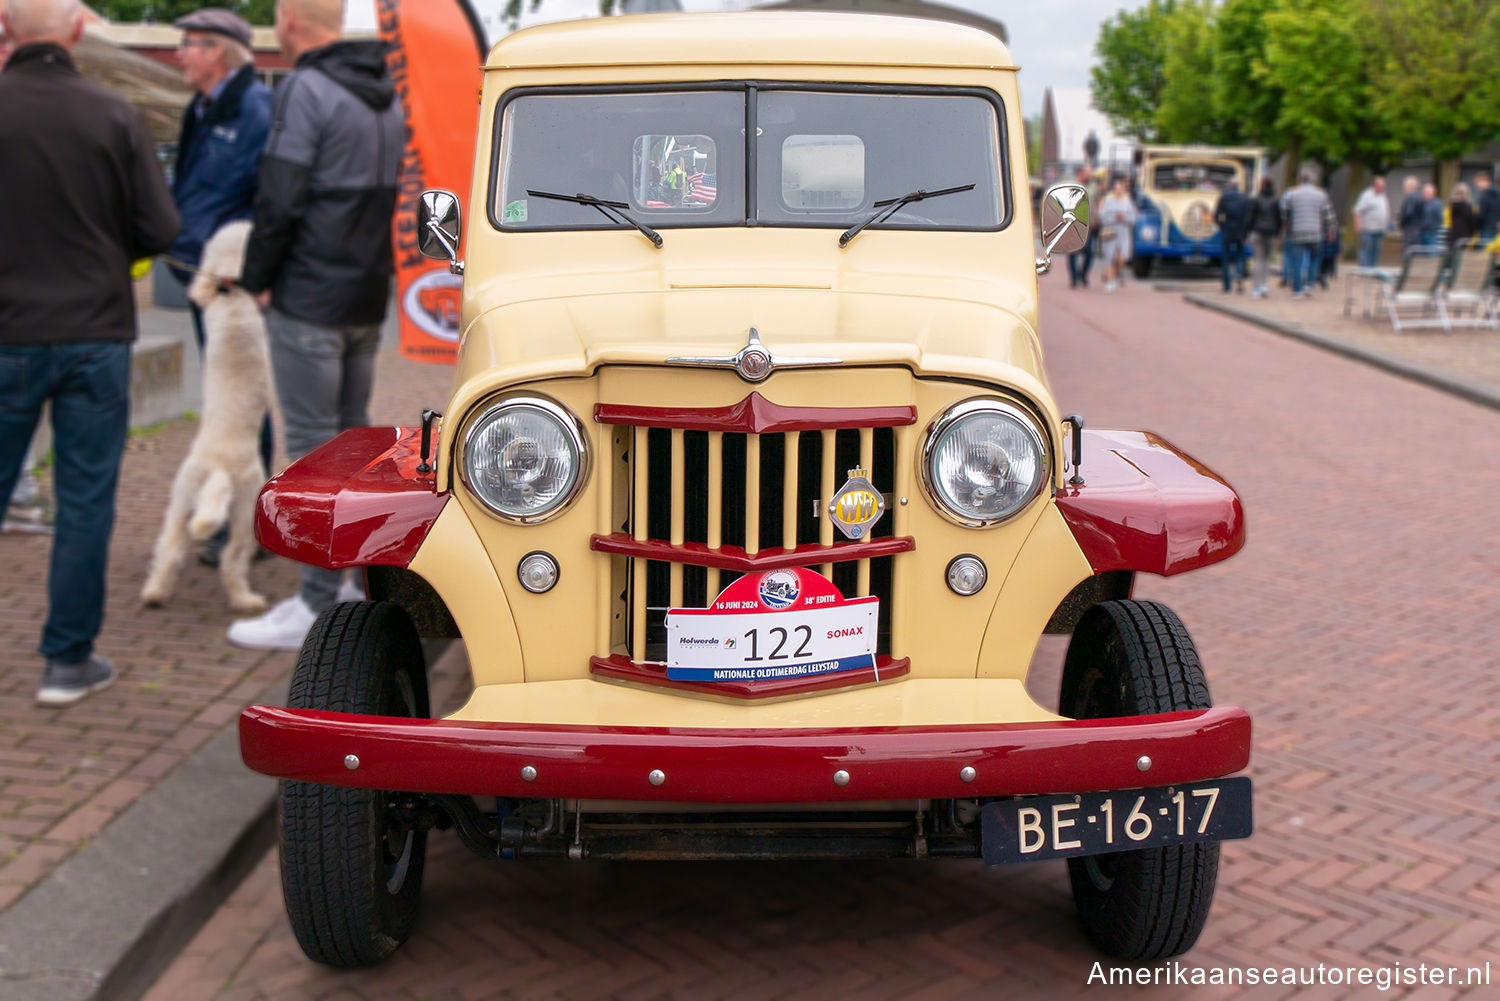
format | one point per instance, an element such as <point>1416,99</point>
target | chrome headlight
<point>525,458</point>
<point>983,461</point>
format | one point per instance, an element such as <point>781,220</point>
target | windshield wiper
<point>894,205</point>
<point>610,210</point>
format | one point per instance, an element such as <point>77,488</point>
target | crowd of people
<point>314,167</point>
<point>1301,222</point>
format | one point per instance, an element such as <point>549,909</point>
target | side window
<point>822,172</point>
<point>675,173</point>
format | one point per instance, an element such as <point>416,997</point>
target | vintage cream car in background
<point>1177,189</point>
<point>750,505</point>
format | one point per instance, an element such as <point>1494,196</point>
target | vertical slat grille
<point>750,492</point>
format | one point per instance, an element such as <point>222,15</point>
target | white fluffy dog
<point>221,476</point>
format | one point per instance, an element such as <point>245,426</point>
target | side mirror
<point>439,227</point>
<point>1065,222</point>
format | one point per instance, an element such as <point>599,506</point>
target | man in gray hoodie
<point>321,254</point>
<point>1307,210</point>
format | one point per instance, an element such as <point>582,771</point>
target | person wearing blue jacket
<point>224,132</point>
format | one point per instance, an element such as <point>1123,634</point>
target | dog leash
<point>225,284</point>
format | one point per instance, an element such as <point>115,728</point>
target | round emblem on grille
<point>754,365</point>
<point>1197,222</point>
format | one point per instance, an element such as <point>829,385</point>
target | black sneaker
<point>64,684</point>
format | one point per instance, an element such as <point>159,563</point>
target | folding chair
<point>1472,289</point>
<point>1416,288</point>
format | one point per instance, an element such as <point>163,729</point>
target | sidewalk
<point>69,776</point>
<point>1464,361</point>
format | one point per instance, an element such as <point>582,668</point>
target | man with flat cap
<point>224,131</point>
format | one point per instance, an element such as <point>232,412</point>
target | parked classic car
<point>1177,188</point>
<point>751,504</point>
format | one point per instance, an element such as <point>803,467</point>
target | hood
<point>358,67</point>
<point>948,337</point>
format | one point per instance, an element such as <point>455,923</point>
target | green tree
<point>1434,74</point>
<point>1241,89</point>
<point>166,11</point>
<point>1187,111</point>
<point>1314,57</point>
<point>1128,81</point>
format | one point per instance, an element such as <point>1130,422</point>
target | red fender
<point>1144,505</point>
<point>356,501</point>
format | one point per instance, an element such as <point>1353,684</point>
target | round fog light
<point>538,572</point>
<point>966,575</point>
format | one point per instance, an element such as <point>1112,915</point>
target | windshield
<point>1180,176</point>
<point>822,158</point>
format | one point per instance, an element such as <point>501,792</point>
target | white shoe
<point>1110,286</point>
<point>284,627</point>
<point>350,589</point>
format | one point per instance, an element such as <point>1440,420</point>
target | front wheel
<point>1132,658</point>
<point>1140,265</point>
<point>351,859</point>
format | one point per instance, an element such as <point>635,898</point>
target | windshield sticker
<point>515,211</point>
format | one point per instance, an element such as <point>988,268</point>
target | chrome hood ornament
<point>754,361</point>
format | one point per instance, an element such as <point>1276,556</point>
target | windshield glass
<point>1180,176</point>
<point>678,158</point>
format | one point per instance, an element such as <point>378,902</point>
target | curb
<point>1468,389</point>
<point>109,919</point>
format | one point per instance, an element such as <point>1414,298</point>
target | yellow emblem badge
<point>857,506</point>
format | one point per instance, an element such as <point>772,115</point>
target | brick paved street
<point>1357,626</point>
<point>65,773</point>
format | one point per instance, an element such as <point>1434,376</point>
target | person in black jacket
<point>1463,221</point>
<point>1409,221</point>
<point>1230,215</point>
<point>320,254</point>
<point>1487,203</point>
<point>82,196</point>
<point>1263,223</point>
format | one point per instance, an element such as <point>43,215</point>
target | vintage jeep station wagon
<point>750,505</point>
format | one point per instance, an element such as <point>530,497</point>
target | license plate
<point>1095,823</point>
<point>1195,259</point>
<point>704,645</point>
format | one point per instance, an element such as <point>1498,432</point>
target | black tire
<point>1130,658</point>
<point>1141,266</point>
<point>351,869</point>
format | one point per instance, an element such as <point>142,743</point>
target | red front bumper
<point>743,765</point>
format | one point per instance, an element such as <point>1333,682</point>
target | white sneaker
<point>1111,286</point>
<point>350,589</point>
<point>284,627</point>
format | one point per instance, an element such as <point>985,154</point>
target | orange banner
<point>436,49</point>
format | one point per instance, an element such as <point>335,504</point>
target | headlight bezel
<point>1030,425</point>
<point>571,425</point>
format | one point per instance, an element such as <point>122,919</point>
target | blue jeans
<point>1369,249</point>
<point>1304,256</point>
<point>1232,263</point>
<point>89,386</point>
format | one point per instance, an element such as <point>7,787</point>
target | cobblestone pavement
<point>1357,627</point>
<point>65,773</point>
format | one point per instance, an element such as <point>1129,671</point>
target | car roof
<point>751,37</point>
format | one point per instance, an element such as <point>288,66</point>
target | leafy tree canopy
<point>261,12</point>
<point>1128,81</point>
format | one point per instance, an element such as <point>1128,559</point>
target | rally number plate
<point>1094,823</point>
<point>768,646</point>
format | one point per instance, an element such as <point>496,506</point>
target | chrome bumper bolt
<point>840,778</point>
<point>968,774</point>
<point>657,777</point>
<point>351,761</point>
<point>528,773</point>
<point>1143,763</point>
